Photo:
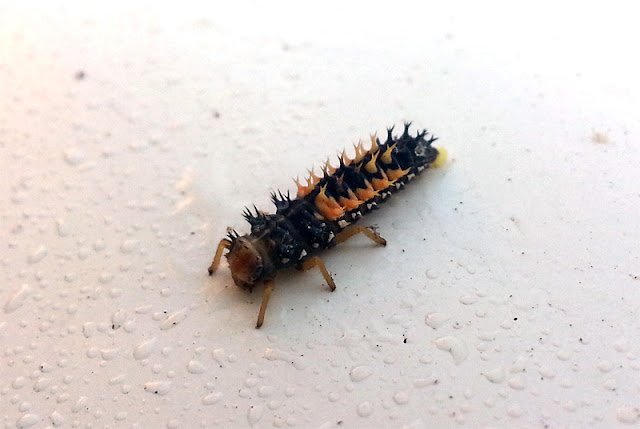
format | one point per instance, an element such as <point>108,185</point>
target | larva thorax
<point>325,205</point>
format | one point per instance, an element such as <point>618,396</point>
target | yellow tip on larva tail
<point>441,159</point>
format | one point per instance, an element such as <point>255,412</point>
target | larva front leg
<point>224,243</point>
<point>269,286</point>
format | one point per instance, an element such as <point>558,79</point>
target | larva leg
<point>350,231</point>
<point>317,262</point>
<point>224,243</point>
<point>269,285</point>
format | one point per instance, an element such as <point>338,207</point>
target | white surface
<point>508,293</point>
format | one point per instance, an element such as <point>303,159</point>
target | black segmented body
<point>303,226</point>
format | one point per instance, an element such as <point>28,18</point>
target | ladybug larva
<point>324,211</point>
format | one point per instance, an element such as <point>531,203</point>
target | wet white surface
<point>131,137</point>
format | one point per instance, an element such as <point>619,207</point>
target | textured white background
<point>508,293</point>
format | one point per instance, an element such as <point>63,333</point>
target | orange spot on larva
<point>302,189</point>
<point>398,173</point>
<point>350,203</point>
<point>328,206</point>
<point>380,184</point>
<point>367,193</point>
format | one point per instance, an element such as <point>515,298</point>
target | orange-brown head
<point>246,263</point>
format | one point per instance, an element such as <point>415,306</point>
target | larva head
<point>246,263</point>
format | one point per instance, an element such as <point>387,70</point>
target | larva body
<point>325,210</point>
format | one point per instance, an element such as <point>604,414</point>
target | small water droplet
<point>628,415</point>
<point>145,348</point>
<point>605,366</point>
<point>129,246</point>
<point>516,383</point>
<point>364,409</point>
<point>495,376</point>
<point>195,367</point>
<point>38,254</point>
<point>424,382</point>
<point>212,398</point>
<point>435,320</point>
<point>42,383</point>
<point>73,156</point>
<point>173,319</point>
<point>63,228</point>
<point>432,274</point>
<point>17,299</point>
<point>57,419</point>
<point>276,354</point>
<point>455,346</point>
<point>515,411</point>
<point>27,420</point>
<point>401,398</point>
<point>468,299</point>
<point>158,387</point>
<point>360,373</point>
<point>254,414</point>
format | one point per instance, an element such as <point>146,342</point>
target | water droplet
<point>27,420</point>
<point>516,383</point>
<point>109,354</point>
<point>129,246</point>
<point>173,319</point>
<point>212,398</point>
<point>468,299</point>
<point>360,373</point>
<point>605,366</point>
<point>628,415</point>
<point>254,414</point>
<point>118,318</point>
<point>195,367</point>
<point>276,354</point>
<point>42,383</point>
<point>456,347</point>
<point>158,387</point>
<point>145,348</point>
<point>62,227</point>
<point>496,375</point>
<point>56,418</point>
<point>435,320</point>
<point>81,404</point>
<point>19,382</point>
<point>432,274</point>
<point>73,156</point>
<point>401,398</point>
<point>424,382</point>
<point>38,254</point>
<point>621,345</point>
<point>364,409</point>
<point>515,411</point>
<point>17,299</point>
<point>265,391</point>
<point>610,384</point>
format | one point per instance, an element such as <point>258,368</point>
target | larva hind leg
<point>350,231</point>
<point>317,262</point>
<point>269,286</point>
<point>224,243</point>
